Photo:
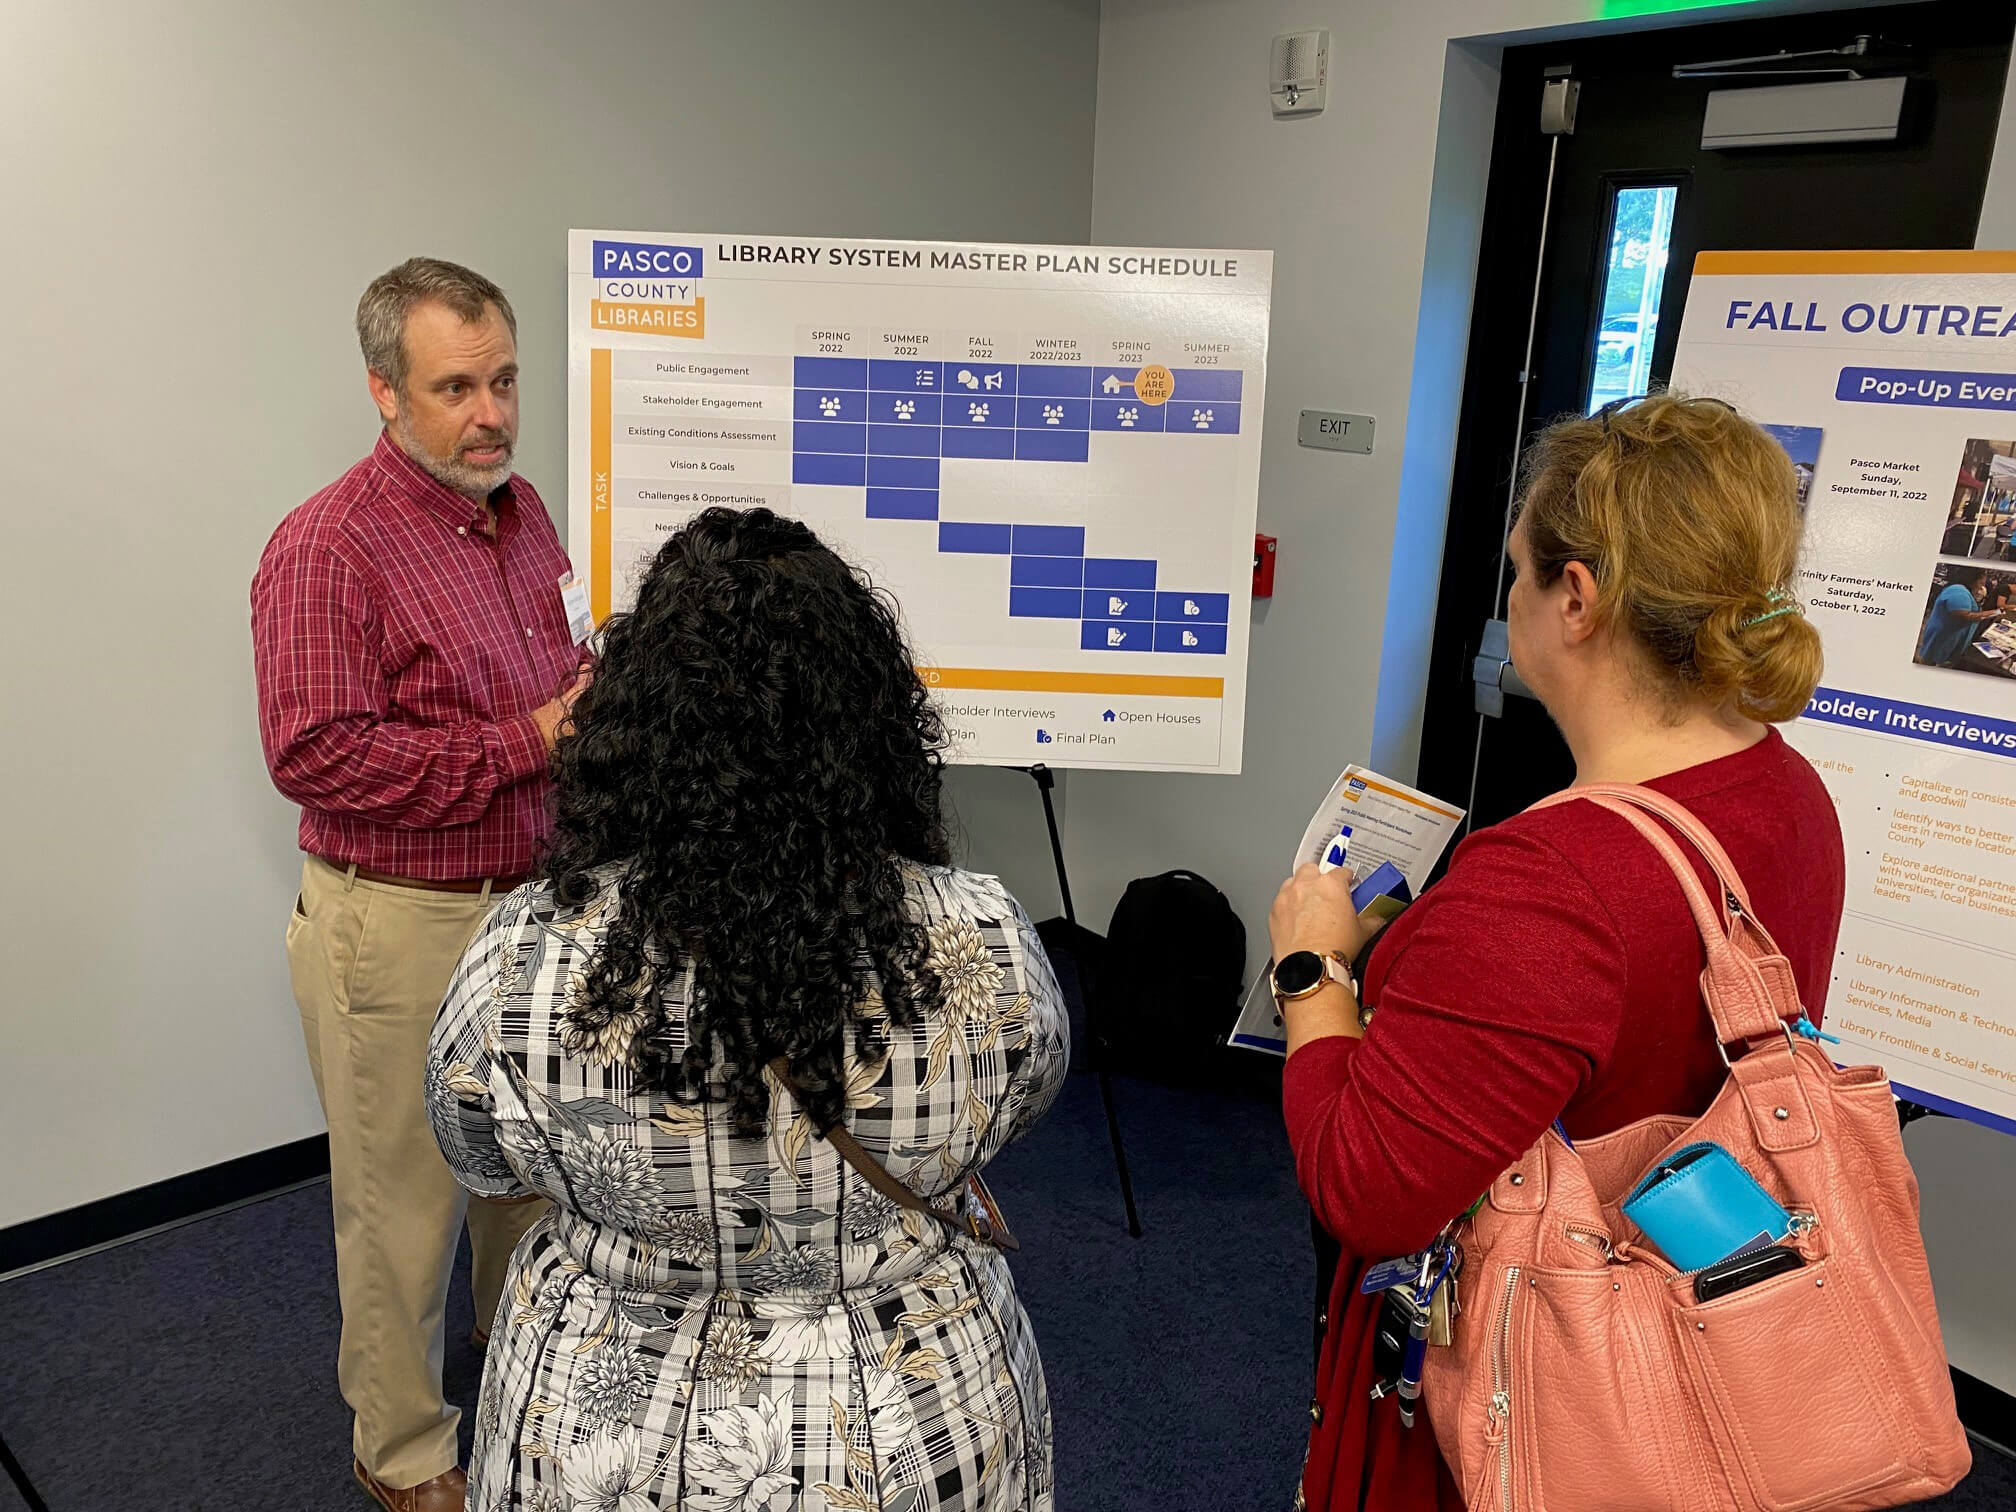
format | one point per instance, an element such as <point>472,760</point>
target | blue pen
<point>1416,1356</point>
<point>1416,1353</point>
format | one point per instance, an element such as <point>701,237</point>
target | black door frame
<point>1495,353</point>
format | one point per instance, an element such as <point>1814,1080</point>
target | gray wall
<point>195,196</point>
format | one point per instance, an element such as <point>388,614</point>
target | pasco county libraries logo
<point>647,287</point>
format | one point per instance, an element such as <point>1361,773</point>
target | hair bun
<point>1760,652</point>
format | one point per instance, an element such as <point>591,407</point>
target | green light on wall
<point>1608,10</point>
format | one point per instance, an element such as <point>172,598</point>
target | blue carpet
<point>195,1371</point>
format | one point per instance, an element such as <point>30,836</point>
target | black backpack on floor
<point>1170,985</point>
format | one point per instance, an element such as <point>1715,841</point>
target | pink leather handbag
<point>1584,1375</point>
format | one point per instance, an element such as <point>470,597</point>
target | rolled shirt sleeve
<point>331,738</point>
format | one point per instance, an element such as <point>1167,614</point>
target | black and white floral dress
<point>721,1324</point>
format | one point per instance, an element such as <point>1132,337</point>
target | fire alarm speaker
<point>1301,72</point>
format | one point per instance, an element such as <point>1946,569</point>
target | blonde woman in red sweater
<point>1552,972</point>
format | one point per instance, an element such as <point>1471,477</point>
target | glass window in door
<point>1634,274</point>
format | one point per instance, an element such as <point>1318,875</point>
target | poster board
<point>1891,377</point>
<point>1050,456</point>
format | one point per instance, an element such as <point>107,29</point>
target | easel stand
<point>1046,782</point>
<point>20,1478</point>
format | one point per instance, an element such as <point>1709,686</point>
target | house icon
<point>1112,385</point>
<point>1108,716</point>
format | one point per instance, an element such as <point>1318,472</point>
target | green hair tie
<point>1781,597</point>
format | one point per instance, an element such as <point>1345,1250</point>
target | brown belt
<point>498,886</point>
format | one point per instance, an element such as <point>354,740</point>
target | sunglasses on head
<point>1628,400</point>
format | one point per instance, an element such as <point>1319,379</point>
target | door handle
<point>1493,673</point>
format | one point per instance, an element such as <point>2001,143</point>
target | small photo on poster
<point>1970,621</point>
<point>1802,445</point>
<point>1981,519</point>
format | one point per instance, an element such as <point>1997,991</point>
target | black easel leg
<point>1046,780</point>
<point>20,1478</point>
<point>1119,1151</point>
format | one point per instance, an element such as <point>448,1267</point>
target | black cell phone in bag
<point>1747,1269</point>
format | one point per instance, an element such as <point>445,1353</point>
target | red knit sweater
<point>1552,972</point>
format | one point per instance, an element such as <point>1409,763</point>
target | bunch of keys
<point>1421,1308</point>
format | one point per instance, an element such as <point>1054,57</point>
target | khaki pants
<point>370,965</point>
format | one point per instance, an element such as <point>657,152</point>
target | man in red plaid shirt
<point>417,632</point>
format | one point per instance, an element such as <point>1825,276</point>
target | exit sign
<point>1335,432</point>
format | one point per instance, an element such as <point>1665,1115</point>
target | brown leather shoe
<point>444,1493</point>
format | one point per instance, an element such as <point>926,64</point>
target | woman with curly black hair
<point>746,934</point>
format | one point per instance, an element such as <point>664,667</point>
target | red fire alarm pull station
<point>1263,566</point>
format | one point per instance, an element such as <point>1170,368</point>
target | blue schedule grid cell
<point>1050,540</point>
<point>1053,445</point>
<point>1113,383</point>
<point>1193,608</point>
<point>956,535</point>
<point>1053,414</point>
<point>985,411</point>
<point>902,504</point>
<point>1200,640</point>
<point>1119,572</point>
<point>889,374</point>
<point>830,404</point>
<point>828,436</point>
<point>1118,604</point>
<point>902,472</point>
<point>994,445</point>
<point>830,372</point>
<point>1043,603</point>
<point>816,467</point>
<point>1054,379</point>
<point>1213,419</point>
<point>981,380</point>
<point>1116,635</point>
<point>1206,385</point>
<point>903,409</point>
<point>903,440</point>
<point>1128,415</point>
<point>1047,572</point>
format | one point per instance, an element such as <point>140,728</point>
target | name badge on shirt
<point>574,599</point>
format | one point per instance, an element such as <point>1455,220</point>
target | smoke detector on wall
<point>1301,73</point>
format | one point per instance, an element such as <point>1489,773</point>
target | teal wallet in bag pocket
<point>1700,1206</point>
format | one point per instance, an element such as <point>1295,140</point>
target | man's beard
<point>451,471</point>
